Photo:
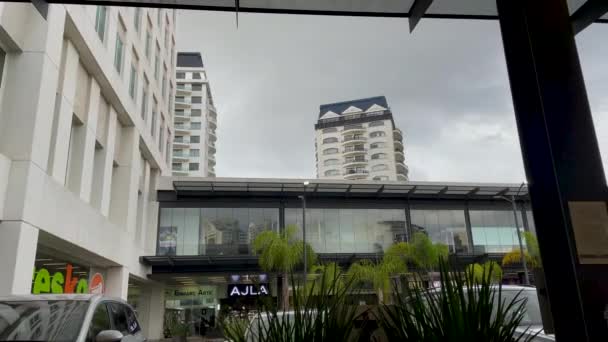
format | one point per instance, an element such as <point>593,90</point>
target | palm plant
<point>282,252</point>
<point>319,313</point>
<point>464,308</point>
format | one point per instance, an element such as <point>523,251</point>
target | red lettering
<point>70,283</point>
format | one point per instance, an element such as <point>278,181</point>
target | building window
<point>494,230</point>
<point>181,75</point>
<point>144,100</point>
<point>376,123</point>
<point>133,82</point>
<point>197,87</point>
<point>330,151</point>
<point>195,152</point>
<point>161,137</point>
<point>332,173</point>
<point>177,166</point>
<point>195,112</point>
<point>180,99</point>
<point>330,162</point>
<point>377,145</point>
<point>195,139</point>
<point>157,62</point>
<point>330,130</point>
<point>195,125</point>
<point>100,21</point>
<point>196,75</point>
<point>330,140</point>
<point>119,53</point>
<point>380,167</point>
<point>444,226</point>
<point>197,99</point>
<point>379,156</point>
<point>137,18</point>
<point>193,167</point>
<point>148,44</point>
<point>349,230</point>
<point>154,117</point>
<point>381,178</point>
<point>377,134</point>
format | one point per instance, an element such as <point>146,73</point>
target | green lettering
<point>42,282</point>
<point>82,286</point>
<point>57,283</point>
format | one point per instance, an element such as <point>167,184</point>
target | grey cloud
<point>447,86</point>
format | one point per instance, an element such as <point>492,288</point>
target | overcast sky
<point>446,84</point>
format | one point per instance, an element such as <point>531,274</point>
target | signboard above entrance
<point>248,290</point>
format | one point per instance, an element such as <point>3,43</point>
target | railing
<point>354,138</point>
<point>354,116</point>
<point>356,172</point>
<point>355,160</point>
<point>352,149</point>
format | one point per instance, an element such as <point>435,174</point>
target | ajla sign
<point>248,290</point>
<point>57,283</point>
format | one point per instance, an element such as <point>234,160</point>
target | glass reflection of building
<point>231,231</point>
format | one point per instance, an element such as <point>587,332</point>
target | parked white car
<point>73,317</point>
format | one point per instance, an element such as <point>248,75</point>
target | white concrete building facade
<point>358,140</point>
<point>195,119</point>
<point>86,124</point>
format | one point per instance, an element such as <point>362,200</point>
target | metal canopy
<point>293,187</point>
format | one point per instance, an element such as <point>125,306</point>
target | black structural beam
<point>587,14</point>
<point>561,157</point>
<point>417,11</point>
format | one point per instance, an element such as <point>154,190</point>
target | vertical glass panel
<point>191,231</point>
<point>494,231</point>
<point>179,223</point>
<point>443,226</point>
<point>167,238</point>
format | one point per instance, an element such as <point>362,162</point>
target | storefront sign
<point>248,290</point>
<point>204,294</point>
<point>44,282</point>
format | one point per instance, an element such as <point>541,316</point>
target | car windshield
<point>41,320</point>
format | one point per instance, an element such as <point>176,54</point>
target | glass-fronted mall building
<point>206,228</point>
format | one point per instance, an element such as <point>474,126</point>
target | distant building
<point>358,140</point>
<point>195,119</point>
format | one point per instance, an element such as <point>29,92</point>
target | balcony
<point>211,174</point>
<point>351,162</point>
<point>348,140</point>
<point>402,168</point>
<point>351,129</point>
<point>353,174</point>
<point>353,151</point>
<point>212,149</point>
<point>399,156</point>
<point>211,161</point>
<point>181,103</point>
<point>356,116</point>
<point>401,177</point>
<point>180,144</point>
<point>183,92</point>
<point>181,129</point>
<point>212,123</point>
<point>180,157</point>
<point>212,109</point>
<point>179,171</point>
<point>181,117</point>
<point>397,134</point>
<point>398,145</point>
<point>212,136</point>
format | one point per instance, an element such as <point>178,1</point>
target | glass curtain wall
<point>213,231</point>
<point>494,230</point>
<point>444,226</point>
<point>349,230</point>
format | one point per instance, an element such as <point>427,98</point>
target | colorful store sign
<point>248,290</point>
<point>44,282</point>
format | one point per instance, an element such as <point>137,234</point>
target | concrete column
<point>152,310</point>
<point>18,241</point>
<point>64,108</point>
<point>105,193</point>
<point>88,157</point>
<point>117,282</point>
<point>141,234</point>
<point>125,178</point>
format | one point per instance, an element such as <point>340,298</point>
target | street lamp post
<point>303,198</point>
<point>521,245</point>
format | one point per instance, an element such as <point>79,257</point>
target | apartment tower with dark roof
<point>195,119</point>
<point>358,140</point>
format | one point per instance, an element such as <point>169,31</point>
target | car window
<point>119,318</point>
<point>99,322</point>
<point>132,323</point>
